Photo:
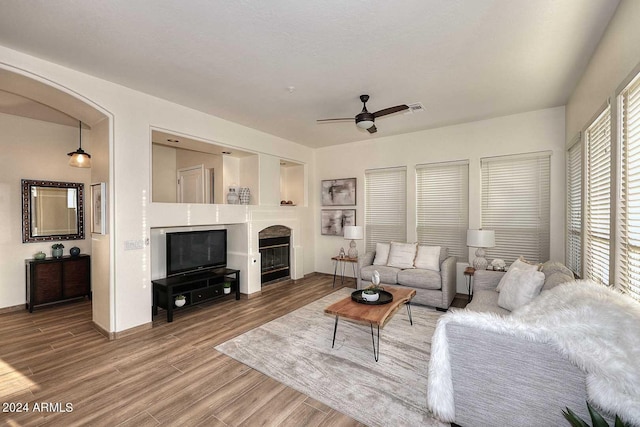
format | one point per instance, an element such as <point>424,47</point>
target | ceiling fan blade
<point>343,119</point>
<point>372,129</point>
<point>390,110</point>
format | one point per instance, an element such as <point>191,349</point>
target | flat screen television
<point>192,251</point>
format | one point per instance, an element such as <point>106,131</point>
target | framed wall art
<point>99,208</point>
<point>333,221</point>
<point>338,192</point>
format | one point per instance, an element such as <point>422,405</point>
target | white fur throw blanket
<point>596,328</point>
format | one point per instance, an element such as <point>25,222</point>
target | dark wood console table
<point>53,280</point>
<point>196,287</point>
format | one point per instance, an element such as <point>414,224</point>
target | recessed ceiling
<point>463,59</point>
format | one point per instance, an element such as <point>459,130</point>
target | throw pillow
<point>555,279</point>
<point>520,287</point>
<point>551,267</point>
<point>523,264</point>
<point>519,264</point>
<point>428,257</point>
<point>401,255</point>
<point>382,254</point>
<point>444,254</point>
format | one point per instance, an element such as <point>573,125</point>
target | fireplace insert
<point>274,244</point>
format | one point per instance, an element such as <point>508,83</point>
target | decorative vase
<point>245,195</point>
<point>57,253</point>
<point>232,196</point>
<point>40,255</point>
<point>74,251</point>
<point>180,302</point>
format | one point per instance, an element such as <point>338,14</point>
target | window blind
<point>598,198</point>
<point>516,205</point>
<point>442,206</point>
<point>629,213</point>
<point>385,206</point>
<point>574,208</point>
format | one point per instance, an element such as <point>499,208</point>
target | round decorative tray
<point>385,298</point>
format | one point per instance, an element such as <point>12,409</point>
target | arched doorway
<point>30,90</point>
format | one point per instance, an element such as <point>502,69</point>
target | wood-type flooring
<point>66,373</point>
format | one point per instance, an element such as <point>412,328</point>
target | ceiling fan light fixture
<point>365,119</point>
<point>79,158</point>
<point>365,124</point>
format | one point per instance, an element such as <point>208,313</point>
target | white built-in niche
<point>186,170</point>
<point>291,183</point>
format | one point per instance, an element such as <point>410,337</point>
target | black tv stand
<point>197,287</point>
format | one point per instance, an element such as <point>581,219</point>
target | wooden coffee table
<point>377,315</point>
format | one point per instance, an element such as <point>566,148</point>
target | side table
<point>469,272</point>
<point>342,260</point>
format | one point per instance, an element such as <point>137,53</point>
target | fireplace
<point>274,244</point>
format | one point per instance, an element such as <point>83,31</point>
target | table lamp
<point>353,233</point>
<point>481,239</point>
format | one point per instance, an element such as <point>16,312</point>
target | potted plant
<point>57,250</point>
<point>372,293</point>
<point>227,287</point>
<point>180,300</point>
<point>596,419</point>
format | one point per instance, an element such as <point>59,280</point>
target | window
<point>442,205</point>
<point>628,271</point>
<point>574,207</point>
<point>598,198</point>
<point>385,206</point>
<point>516,204</point>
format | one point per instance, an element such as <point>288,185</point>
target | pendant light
<point>79,158</point>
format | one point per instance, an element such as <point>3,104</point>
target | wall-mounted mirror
<point>52,210</point>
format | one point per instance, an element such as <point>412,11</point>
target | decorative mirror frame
<point>26,185</point>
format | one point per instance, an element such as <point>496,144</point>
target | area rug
<point>295,349</point>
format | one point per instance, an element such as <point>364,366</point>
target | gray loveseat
<point>500,379</point>
<point>433,288</point>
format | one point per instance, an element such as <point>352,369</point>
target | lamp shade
<point>481,238</point>
<point>79,158</point>
<point>353,232</point>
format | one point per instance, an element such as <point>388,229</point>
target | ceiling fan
<point>365,119</point>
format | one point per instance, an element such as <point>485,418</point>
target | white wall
<point>32,149</point>
<point>250,177</point>
<point>101,285</point>
<point>131,209</point>
<point>269,180</point>
<point>615,57</point>
<point>529,132</point>
<point>164,174</point>
<point>230,174</point>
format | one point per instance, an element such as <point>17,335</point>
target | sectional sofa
<point>494,363</point>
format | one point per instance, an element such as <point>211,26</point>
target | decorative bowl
<point>40,255</point>
<point>370,297</point>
